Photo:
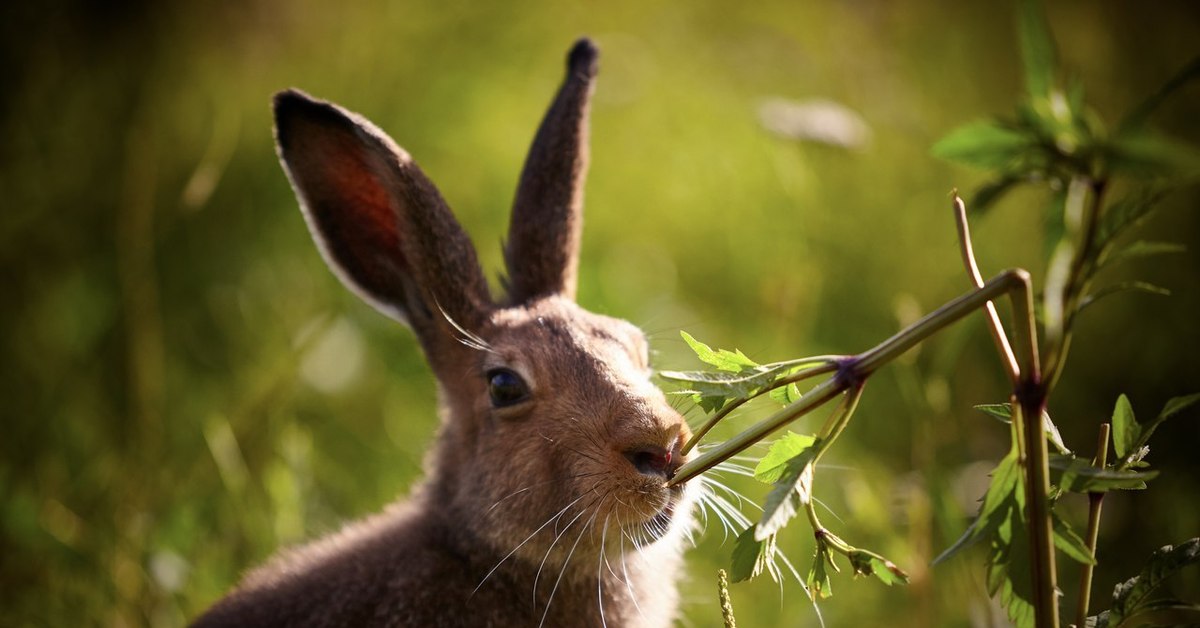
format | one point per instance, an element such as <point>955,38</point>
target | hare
<point>545,499</point>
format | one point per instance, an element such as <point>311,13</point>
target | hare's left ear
<point>380,223</point>
<point>542,252</point>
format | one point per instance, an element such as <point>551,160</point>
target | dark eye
<point>506,388</point>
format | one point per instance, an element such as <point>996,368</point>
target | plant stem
<point>827,364</point>
<point>994,325</point>
<point>1029,401</point>
<point>854,370</point>
<point>816,397</point>
<point>1014,282</point>
<point>1078,279</point>
<point>1035,460</point>
<point>1095,501</point>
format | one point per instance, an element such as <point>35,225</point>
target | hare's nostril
<point>650,460</point>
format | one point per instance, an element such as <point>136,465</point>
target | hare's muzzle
<point>656,461</point>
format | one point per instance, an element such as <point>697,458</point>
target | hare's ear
<point>542,253</point>
<point>380,223</point>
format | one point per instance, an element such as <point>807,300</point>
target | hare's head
<point>551,424</point>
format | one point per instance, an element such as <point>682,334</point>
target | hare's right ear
<point>379,222</point>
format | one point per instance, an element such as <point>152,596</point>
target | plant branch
<point>853,371</point>
<point>1078,278</point>
<point>994,325</point>
<point>814,399</point>
<point>827,364</point>
<point>1095,501</point>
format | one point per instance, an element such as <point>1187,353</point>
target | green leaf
<point>1150,154</point>
<point>794,488</point>
<point>867,563</point>
<point>984,144</point>
<point>750,555</point>
<point>1132,594</point>
<point>733,361</point>
<point>1003,413</point>
<point>1174,406</point>
<point>1125,429</point>
<point>1070,543</point>
<point>1079,476</point>
<point>1171,408</point>
<point>999,499</point>
<point>1126,213</point>
<point>786,395</point>
<point>1125,286</point>
<point>1140,249</point>
<point>818,577</point>
<point>991,192</point>
<point>772,466</point>
<point>1137,118</point>
<point>1037,49</point>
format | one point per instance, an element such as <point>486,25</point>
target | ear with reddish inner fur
<point>380,223</point>
<point>542,253</point>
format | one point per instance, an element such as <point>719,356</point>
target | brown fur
<point>531,511</point>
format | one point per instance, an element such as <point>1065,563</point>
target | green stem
<point>827,364</point>
<point>1031,400</point>
<point>1078,279</point>
<point>854,370</point>
<point>1095,501</point>
<point>1014,282</point>
<point>816,397</point>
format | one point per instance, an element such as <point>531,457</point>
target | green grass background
<point>186,388</point>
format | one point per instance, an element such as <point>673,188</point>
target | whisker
<point>563,570</point>
<point>522,543</point>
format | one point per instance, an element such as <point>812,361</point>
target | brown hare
<point>545,501</point>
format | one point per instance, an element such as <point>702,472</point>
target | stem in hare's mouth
<point>826,364</point>
<point>853,371</point>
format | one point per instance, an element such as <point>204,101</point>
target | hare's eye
<point>506,388</point>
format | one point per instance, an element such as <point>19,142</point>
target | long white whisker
<point>522,543</point>
<point>563,570</point>
<point>542,565</point>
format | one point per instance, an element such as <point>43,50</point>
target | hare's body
<point>545,501</point>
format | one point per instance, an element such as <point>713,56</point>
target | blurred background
<point>186,388</point>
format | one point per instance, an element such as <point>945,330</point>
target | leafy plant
<point>1054,140</point>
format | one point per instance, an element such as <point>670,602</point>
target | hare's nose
<point>653,460</point>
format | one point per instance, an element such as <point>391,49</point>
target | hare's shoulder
<point>389,569</point>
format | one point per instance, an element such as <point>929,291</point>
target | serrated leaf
<point>1140,249</point>
<point>732,361</point>
<point>1079,476</point>
<point>1069,542</point>
<point>1125,286</point>
<point>724,385</point>
<point>984,144</point>
<point>1125,428</point>
<point>772,466</point>
<point>793,489</point>
<point>1037,49</point>
<point>1128,596</point>
<point>1003,413</point>
<point>750,556</point>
